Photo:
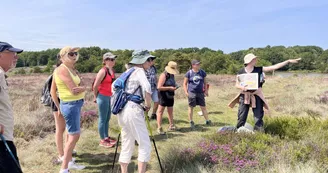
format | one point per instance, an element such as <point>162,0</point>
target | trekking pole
<point>118,140</point>
<point>10,152</point>
<point>152,137</point>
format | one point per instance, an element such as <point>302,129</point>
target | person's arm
<point>100,76</point>
<point>205,87</point>
<point>145,87</point>
<point>2,129</point>
<point>161,82</point>
<point>243,88</point>
<point>280,65</point>
<point>64,75</point>
<point>185,85</point>
<point>53,93</point>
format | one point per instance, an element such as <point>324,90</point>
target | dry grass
<point>34,124</point>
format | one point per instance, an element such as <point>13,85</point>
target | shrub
<point>20,71</point>
<point>36,70</point>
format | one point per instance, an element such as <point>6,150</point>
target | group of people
<point>68,92</point>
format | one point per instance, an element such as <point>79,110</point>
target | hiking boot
<point>106,144</point>
<point>73,165</point>
<point>110,140</point>
<point>160,131</point>
<point>208,122</point>
<point>153,117</point>
<point>192,125</point>
<point>172,127</point>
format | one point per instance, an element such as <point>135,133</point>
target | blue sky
<point>228,25</point>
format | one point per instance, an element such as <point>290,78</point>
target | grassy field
<point>295,138</point>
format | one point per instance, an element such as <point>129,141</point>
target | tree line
<point>314,58</point>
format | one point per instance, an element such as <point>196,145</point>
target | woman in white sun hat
<point>253,97</point>
<point>132,119</point>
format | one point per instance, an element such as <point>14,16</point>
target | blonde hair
<point>64,53</point>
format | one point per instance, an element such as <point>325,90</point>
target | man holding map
<point>250,80</point>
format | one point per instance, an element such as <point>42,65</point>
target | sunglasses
<point>72,53</point>
<point>149,59</point>
<point>109,59</point>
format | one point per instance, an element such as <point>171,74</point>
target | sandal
<point>172,127</point>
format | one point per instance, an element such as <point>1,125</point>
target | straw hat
<point>172,68</point>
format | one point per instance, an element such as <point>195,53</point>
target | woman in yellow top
<point>71,95</point>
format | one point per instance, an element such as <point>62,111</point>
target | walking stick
<point>10,152</point>
<point>152,137</point>
<point>118,140</point>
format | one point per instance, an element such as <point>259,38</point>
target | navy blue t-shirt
<point>196,81</point>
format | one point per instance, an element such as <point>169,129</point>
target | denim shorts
<point>72,114</point>
<point>154,95</point>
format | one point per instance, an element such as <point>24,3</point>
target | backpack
<point>46,99</point>
<point>107,72</point>
<point>120,96</point>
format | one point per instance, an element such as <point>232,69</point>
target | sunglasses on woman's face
<point>149,60</point>
<point>109,59</point>
<point>72,53</point>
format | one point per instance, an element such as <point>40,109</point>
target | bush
<point>291,141</point>
<point>20,71</point>
<point>36,70</point>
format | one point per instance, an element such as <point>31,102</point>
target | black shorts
<point>164,101</point>
<point>195,99</point>
<point>54,107</point>
<point>7,164</point>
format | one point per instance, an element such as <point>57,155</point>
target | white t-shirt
<point>137,79</point>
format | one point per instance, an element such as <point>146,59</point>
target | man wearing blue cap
<point>8,60</point>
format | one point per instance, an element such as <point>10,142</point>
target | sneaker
<point>73,165</point>
<point>153,116</point>
<point>160,131</point>
<point>208,122</point>
<point>192,124</point>
<point>106,144</point>
<point>110,140</point>
<point>64,171</point>
<point>61,159</point>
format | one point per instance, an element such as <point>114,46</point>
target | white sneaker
<point>73,165</point>
<point>64,171</point>
<point>61,159</point>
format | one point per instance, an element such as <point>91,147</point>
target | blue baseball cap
<point>6,46</point>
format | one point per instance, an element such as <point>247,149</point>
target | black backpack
<point>46,99</point>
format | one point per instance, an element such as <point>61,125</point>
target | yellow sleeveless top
<point>64,92</point>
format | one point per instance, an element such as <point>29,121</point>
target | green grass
<point>300,140</point>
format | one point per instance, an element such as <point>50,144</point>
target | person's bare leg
<point>124,167</point>
<point>155,107</point>
<point>142,167</point>
<point>170,112</point>
<point>60,129</point>
<point>190,113</point>
<point>160,112</point>
<point>204,110</point>
<point>70,144</point>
